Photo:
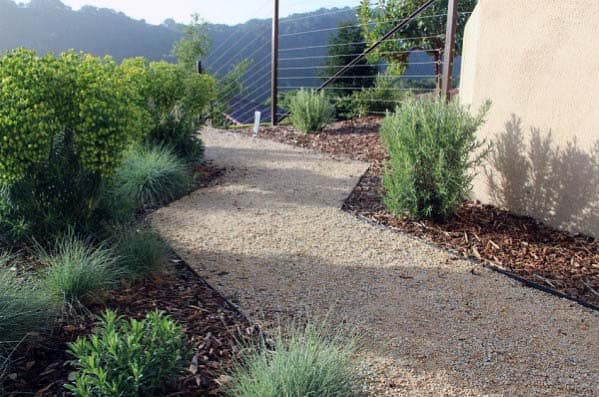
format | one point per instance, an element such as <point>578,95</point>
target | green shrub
<point>382,97</point>
<point>64,124</point>
<point>140,252</point>
<point>75,269</point>
<point>306,362</point>
<point>433,150</point>
<point>129,358</point>
<point>178,99</point>
<point>23,308</point>
<point>310,111</point>
<point>150,176</point>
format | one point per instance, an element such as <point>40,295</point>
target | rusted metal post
<point>275,65</point>
<point>448,55</point>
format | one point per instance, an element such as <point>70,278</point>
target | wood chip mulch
<point>557,260</point>
<point>213,326</point>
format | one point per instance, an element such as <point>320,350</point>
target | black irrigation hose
<point>485,264</point>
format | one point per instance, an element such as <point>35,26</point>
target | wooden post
<point>448,55</point>
<point>274,65</point>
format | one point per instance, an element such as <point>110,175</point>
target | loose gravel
<point>272,238</point>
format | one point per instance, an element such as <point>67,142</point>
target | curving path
<point>271,237</point>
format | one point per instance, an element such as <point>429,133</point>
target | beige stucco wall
<point>538,60</point>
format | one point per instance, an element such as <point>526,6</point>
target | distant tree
<point>193,45</point>
<point>427,33</point>
<point>343,48</point>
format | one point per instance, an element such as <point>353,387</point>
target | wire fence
<point>306,58</point>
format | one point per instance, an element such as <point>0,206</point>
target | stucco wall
<point>538,62</point>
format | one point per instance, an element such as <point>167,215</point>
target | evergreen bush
<point>129,358</point>
<point>310,111</point>
<point>433,151</point>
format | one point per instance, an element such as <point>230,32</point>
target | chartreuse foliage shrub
<point>178,100</point>
<point>433,150</point>
<point>75,269</point>
<point>129,358</point>
<point>310,111</point>
<point>306,361</point>
<point>64,124</point>
<point>150,176</point>
<point>140,252</point>
<point>24,307</point>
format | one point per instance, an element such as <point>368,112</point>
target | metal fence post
<point>448,55</point>
<point>275,64</point>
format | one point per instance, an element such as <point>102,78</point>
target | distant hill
<point>49,25</point>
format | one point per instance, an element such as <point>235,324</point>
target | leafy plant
<point>75,269</point>
<point>128,358</point>
<point>141,252</point>
<point>150,176</point>
<point>433,151</point>
<point>64,124</point>
<point>178,99</point>
<point>343,46</point>
<point>193,45</point>
<point>382,97</point>
<point>23,308</point>
<point>310,111</point>
<point>427,32</point>
<point>305,362</point>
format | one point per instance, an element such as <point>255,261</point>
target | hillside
<point>49,25</point>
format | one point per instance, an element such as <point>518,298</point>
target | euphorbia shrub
<point>178,99</point>
<point>64,124</point>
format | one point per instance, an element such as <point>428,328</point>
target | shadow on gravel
<point>306,187</point>
<point>439,322</point>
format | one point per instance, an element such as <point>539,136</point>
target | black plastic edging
<point>487,265</point>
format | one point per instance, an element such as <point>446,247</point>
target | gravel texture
<point>271,237</point>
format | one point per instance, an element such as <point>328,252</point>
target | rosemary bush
<point>433,152</point>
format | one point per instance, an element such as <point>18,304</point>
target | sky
<point>215,11</point>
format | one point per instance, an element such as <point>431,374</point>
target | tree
<point>193,45</point>
<point>343,48</point>
<point>427,33</point>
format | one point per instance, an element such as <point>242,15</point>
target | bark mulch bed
<point>213,326</point>
<point>521,246</point>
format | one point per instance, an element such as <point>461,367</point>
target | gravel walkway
<point>271,237</point>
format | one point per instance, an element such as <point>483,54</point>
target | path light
<point>257,116</point>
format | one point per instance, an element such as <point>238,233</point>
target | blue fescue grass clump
<point>305,361</point>
<point>76,269</point>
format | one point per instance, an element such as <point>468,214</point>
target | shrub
<point>306,362</point>
<point>141,252</point>
<point>150,176</point>
<point>128,358</point>
<point>75,269</point>
<point>433,150</point>
<point>310,111</point>
<point>178,99</point>
<point>23,309</point>
<point>383,96</point>
<point>64,124</point>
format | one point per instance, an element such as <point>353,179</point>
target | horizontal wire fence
<point>305,62</point>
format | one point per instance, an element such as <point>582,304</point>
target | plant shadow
<point>530,174</point>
